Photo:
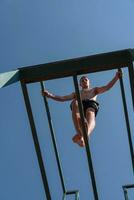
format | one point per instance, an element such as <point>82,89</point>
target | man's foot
<point>76,138</point>
<point>79,140</point>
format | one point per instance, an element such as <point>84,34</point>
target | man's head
<point>84,82</point>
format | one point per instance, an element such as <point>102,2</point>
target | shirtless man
<point>90,105</point>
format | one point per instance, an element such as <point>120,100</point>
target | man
<point>90,105</point>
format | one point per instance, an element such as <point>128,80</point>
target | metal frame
<point>125,188</point>
<point>127,120</point>
<point>37,145</point>
<point>36,142</point>
<point>73,67</point>
<point>75,192</point>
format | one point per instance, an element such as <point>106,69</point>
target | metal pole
<point>125,193</point>
<point>73,192</point>
<point>35,139</point>
<point>129,186</point>
<point>131,79</point>
<point>90,165</point>
<point>64,196</point>
<point>54,140</point>
<point>77,196</point>
<point>127,120</point>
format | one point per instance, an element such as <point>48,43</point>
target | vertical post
<point>77,195</point>
<point>131,79</point>
<point>64,196</point>
<point>35,139</point>
<point>90,165</point>
<point>127,120</point>
<point>125,193</point>
<point>53,140</point>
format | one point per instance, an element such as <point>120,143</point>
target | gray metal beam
<point>88,64</point>
<point>70,67</point>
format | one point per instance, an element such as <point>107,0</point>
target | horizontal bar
<point>72,192</point>
<point>71,67</point>
<point>128,186</point>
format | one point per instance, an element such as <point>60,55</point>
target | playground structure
<point>73,68</point>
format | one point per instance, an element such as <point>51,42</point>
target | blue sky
<point>34,32</point>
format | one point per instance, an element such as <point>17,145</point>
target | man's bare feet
<point>79,140</point>
<point>76,137</point>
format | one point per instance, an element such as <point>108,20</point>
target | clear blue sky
<point>34,32</point>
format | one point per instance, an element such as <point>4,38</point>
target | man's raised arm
<point>99,90</point>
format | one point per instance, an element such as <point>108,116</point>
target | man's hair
<point>83,77</point>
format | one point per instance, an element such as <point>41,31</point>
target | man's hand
<point>46,93</point>
<point>119,74</point>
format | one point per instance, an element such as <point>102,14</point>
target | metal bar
<point>64,196</point>
<point>54,140</point>
<point>90,165</point>
<point>125,193</point>
<point>129,186</point>
<point>77,197</point>
<point>127,120</point>
<point>64,68</point>
<point>74,192</point>
<point>35,139</point>
<point>131,79</point>
<point>87,64</point>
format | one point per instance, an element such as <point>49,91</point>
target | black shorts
<point>87,103</point>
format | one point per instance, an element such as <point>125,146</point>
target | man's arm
<point>59,98</point>
<point>99,90</point>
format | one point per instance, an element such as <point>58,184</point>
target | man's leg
<point>90,116</point>
<point>89,124</point>
<point>76,117</point>
<point>77,124</point>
